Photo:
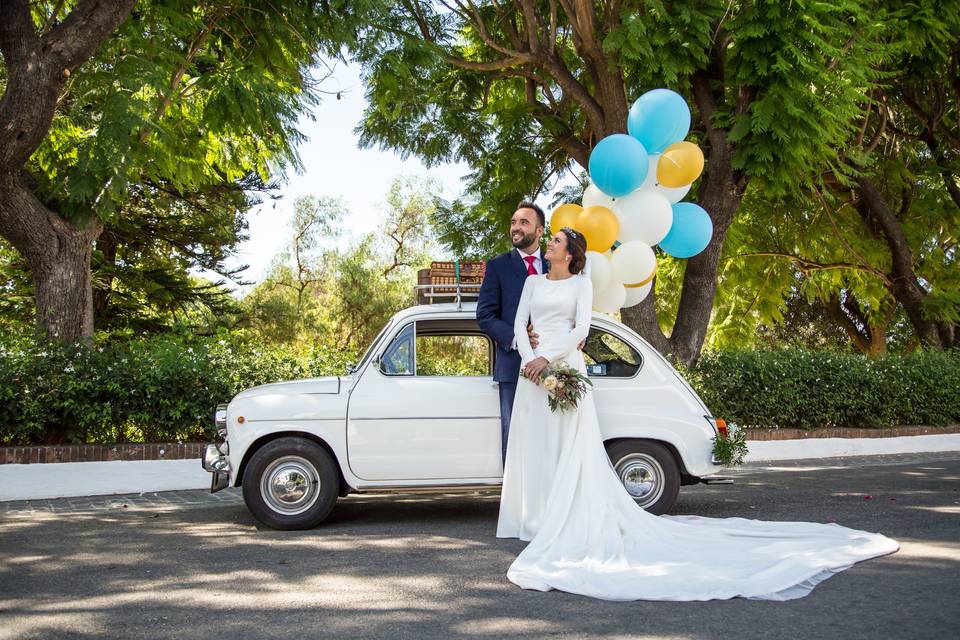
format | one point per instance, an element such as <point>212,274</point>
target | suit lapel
<point>519,266</point>
<point>543,261</point>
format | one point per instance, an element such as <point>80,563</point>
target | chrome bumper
<point>216,462</point>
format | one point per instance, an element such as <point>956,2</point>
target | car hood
<point>293,387</point>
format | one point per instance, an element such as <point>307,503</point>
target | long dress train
<point>588,536</point>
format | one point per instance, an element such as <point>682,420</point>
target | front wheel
<point>291,483</point>
<point>648,471</point>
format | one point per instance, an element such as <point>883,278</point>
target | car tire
<point>291,483</point>
<point>648,471</point>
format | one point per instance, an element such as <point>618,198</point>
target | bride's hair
<point>577,248</point>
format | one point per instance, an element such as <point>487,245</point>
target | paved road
<point>189,565</point>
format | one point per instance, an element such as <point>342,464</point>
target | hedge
<point>165,388</point>
<point>150,389</point>
<point>811,389</point>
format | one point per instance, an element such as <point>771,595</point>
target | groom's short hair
<point>526,204</point>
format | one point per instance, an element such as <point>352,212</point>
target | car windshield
<point>373,343</point>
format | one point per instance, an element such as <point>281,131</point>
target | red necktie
<point>530,268</point>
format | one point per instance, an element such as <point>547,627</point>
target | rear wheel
<point>648,471</point>
<point>291,483</point>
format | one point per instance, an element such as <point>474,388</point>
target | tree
<point>874,240</point>
<point>182,100</point>
<point>293,299</point>
<point>519,90</point>
<point>319,290</point>
<point>38,65</point>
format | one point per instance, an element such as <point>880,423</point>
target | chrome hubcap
<point>642,477</point>
<point>290,485</point>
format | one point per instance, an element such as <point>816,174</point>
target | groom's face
<point>525,229</point>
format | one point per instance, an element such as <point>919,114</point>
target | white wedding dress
<point>588,536</point>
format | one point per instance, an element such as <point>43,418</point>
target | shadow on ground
<point>430,567</point>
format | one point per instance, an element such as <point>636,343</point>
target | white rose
<point>550,383</point>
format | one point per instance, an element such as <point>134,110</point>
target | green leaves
<point>796,388</point>
<point>146,389</point>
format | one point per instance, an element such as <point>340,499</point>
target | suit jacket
<point>497,309</point>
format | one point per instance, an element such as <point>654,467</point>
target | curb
<point>75,479</point>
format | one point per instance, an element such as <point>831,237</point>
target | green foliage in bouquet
<point>565,386</point>
<point>731,448</point>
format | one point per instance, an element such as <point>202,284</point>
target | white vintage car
<point>420,412</point>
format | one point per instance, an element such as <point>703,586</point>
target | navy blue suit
<point>496,311</point>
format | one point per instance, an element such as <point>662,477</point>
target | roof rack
<point>436,293</point>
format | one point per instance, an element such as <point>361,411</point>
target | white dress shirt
<point>537,260</point>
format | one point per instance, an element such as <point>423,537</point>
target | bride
<point>586,533</point>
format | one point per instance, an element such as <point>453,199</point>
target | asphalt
<point>181,565</point>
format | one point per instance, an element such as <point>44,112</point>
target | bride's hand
<point>534,369</point>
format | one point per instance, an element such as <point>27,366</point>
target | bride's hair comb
<point>570,232</point>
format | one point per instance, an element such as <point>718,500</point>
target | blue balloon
<point>690,233</point>
<point>618,165</point>
<point>658,119</point>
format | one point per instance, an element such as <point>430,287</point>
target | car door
<point>427,408</point>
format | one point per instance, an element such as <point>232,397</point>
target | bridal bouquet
<point>565,386</point>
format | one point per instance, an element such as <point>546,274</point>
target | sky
<point>334,165</point>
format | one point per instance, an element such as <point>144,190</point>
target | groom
<point>500,296</point>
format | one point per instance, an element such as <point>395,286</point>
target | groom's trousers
<point>507,392</point>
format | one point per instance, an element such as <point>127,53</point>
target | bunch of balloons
<point>633,202</point>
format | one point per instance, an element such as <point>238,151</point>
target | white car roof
<point>469,310</point>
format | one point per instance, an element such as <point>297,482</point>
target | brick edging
<point>848,432</point>
<point>194,450</point>
<point>101,453</point>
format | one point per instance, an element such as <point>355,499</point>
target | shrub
<point>158,388</point>
<point>810,389</point>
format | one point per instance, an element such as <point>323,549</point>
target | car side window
<point>608,356</point>
<point>398,359</point>
<point>453,355</point>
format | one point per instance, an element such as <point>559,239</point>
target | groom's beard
<point>523,241</point>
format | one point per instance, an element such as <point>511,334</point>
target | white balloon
<point>650,182</point>
<point>674,195</point>
<point>592,196</point>
<point>609,299</point>
<point>645,216</point>
<point>601,271</point>
<point>633,262</point>
<point>636,295</point>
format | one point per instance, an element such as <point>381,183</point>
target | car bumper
<point>216,462</point>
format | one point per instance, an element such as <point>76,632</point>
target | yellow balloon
<point>679,165</point>
<point>564,216</point>
<point>599,226</point>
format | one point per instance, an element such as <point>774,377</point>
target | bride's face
<point>556,251</point>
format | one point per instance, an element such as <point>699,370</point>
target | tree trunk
<point>875,211</point>
<point>58,255</point>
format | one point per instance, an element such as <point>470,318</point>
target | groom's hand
<point>534,336</point>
